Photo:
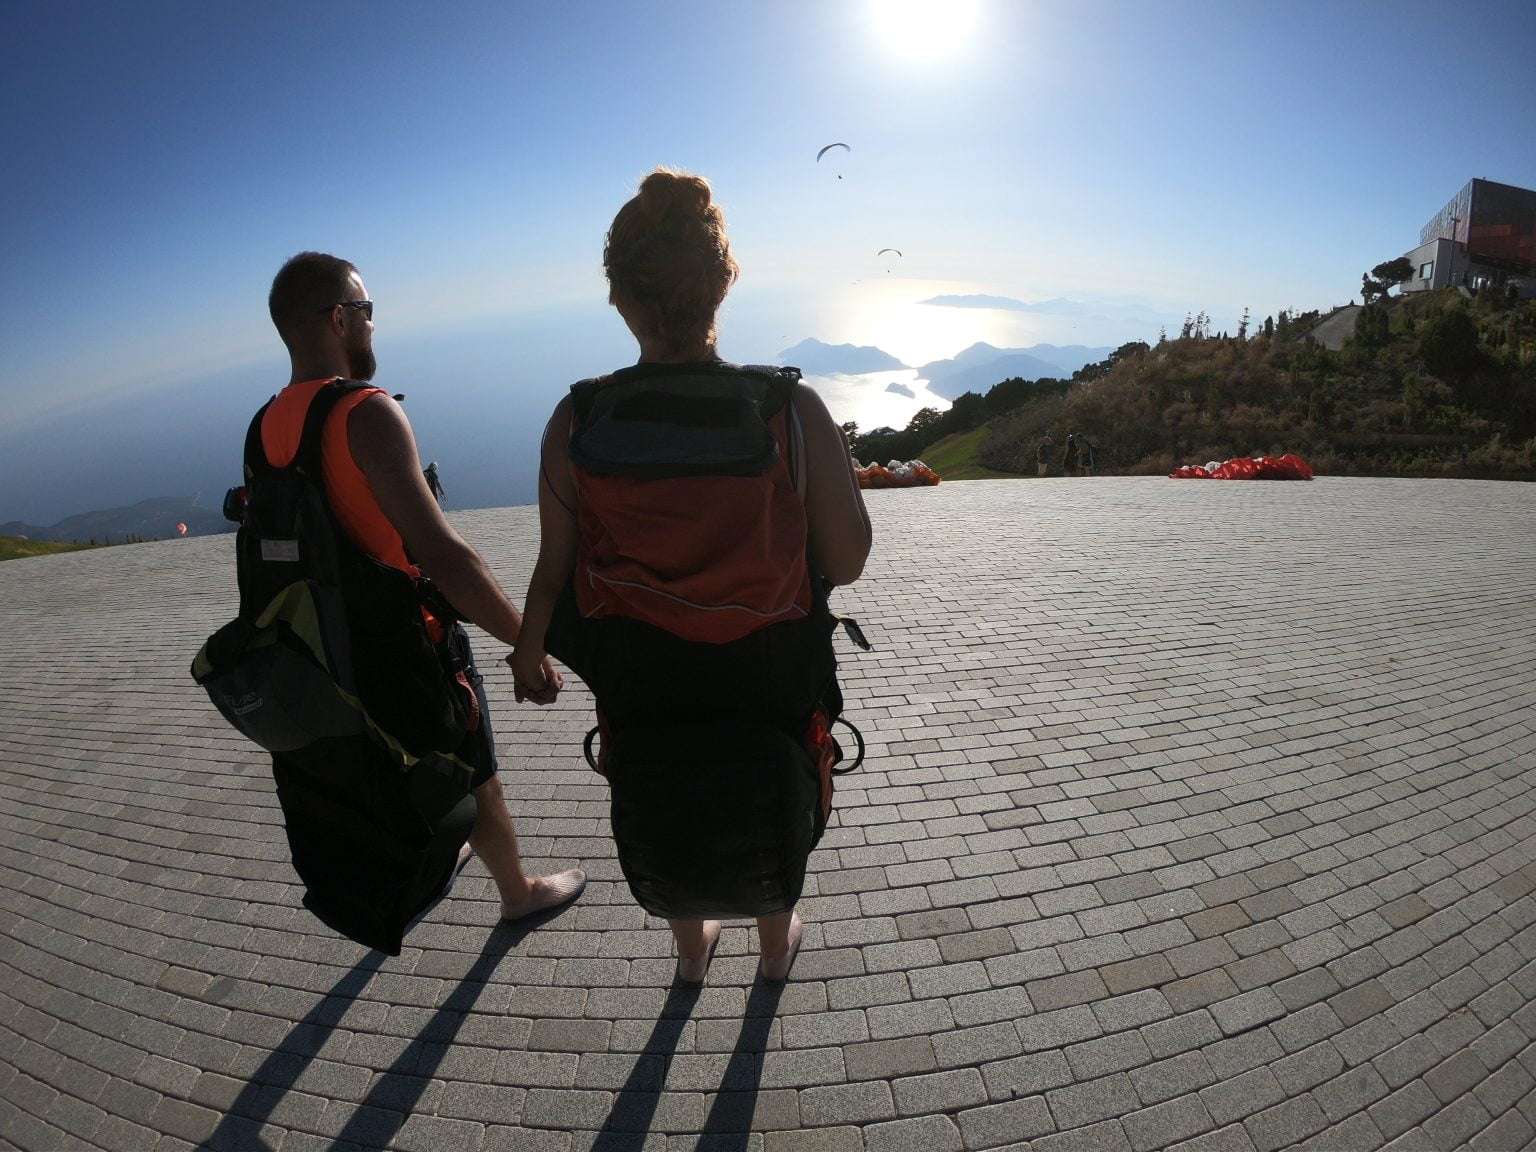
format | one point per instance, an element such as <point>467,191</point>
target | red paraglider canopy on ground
<point>1287,467</point>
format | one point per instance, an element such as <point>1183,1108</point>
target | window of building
<point>1427,270</point>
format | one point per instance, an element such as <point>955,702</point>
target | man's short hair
<point>303,287</point>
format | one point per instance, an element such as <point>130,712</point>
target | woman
<point>669,265</point>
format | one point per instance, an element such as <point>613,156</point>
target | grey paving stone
<point>939,1092</point>
<point>996,1125</point>
<point>1026,1075</point>
<point>1164,1124</point>
<point>920,1134</point>
<point>837,1104</point>
<point>1241,1096</point>
<point>1089,1101</point>
<point>1172,1077</point>
<point>843,1139</point>
<point>1403,1109</point>
<point>887,1059</point>
<point>1285,1124</point>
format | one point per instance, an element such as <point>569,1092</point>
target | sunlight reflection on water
<point>867,399</point>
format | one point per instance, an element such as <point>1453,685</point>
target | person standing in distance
<point>379,496</point>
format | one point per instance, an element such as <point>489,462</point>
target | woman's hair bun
<point>667,257</point>
<point>665,191</point>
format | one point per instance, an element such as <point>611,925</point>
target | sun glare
<point>923,29</point>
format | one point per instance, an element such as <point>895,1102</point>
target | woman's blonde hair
<point>668,260</point>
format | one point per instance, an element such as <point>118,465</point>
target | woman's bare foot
<point>546,892</point>
<point>693,969</point>
<point>774,966</point>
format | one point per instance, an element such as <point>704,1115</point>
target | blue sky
<point>1145,159</point>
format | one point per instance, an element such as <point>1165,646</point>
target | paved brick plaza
<point>1196,812</point>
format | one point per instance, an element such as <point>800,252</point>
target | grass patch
<point>17,547</point>
<point>955,457</point>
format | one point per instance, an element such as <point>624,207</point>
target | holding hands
<point>534,676</point>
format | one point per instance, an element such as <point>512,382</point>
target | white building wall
<point>1436,257</point>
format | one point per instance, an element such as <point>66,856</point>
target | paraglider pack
<point>693,559</point>
<point>352,674</point>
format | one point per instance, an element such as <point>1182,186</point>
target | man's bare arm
<point>385,449</point>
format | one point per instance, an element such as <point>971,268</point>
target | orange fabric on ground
<point>346,487</point>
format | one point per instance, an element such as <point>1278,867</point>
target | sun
<point>923,29</point>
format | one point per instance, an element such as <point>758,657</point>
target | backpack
<point>696,621</point>
<point>333,667</point>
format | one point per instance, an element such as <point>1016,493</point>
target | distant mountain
<point>900,389</point>
<point>151,519</point>
<point>814,358</point>
<point>982,365</point>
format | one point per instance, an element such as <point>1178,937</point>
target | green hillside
<point>17,547</point>
<point>1431,384</point>
<point>956,457</point>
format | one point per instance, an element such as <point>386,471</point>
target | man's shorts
<point>479,747</point>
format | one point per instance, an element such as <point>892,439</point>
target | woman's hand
<point>534,676</point>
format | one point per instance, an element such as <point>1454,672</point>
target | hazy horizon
<point>1052,173</point>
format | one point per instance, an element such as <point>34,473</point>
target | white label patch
<point>283,550</point>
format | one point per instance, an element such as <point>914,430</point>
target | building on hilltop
<point>1484,238</point>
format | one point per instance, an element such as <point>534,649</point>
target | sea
<point>876,399</point>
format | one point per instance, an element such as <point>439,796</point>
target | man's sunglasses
<point>365,305</point>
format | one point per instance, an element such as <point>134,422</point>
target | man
<point>376,489</point>
<point>1069,456</point>
<point>1043,455</point>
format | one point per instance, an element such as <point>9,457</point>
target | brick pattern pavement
<point>1198,816</point>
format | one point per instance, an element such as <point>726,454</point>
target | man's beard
<point>361,364</point>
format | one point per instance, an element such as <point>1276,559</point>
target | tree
<point>851,431</point>
<point>1390,273</point>
<point>1448,343</point>
<point>924,419</point>
<point>1242,325</point>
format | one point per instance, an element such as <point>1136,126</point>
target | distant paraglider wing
<point>883,251</point>
<point>829,147</point>
<point>181,529</point>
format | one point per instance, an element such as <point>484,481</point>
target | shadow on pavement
<point>394,1092</point>
<point>728,1126</point>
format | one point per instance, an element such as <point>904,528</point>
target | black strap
<point>782,380</point>
<point>858,738</point>
<point>255,456</point>
<point>307,458</point>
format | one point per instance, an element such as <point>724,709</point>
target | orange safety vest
<point>346,488</point>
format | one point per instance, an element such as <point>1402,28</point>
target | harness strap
<point>256,459</point>
<point>307,458</point>
<point>858,738</point>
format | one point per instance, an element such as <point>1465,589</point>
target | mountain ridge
<point>154,518</point>
<point>816,358</point>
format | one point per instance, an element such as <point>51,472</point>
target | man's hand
<point>534,677</point>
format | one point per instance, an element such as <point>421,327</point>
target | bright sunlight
<point>923,29</point>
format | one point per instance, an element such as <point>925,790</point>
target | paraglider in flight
<point>828,148</point>
<point>181,529</point>
<point>883,251</point>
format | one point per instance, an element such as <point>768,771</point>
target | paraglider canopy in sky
<point>883,251</point>
<point>829,147</point>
